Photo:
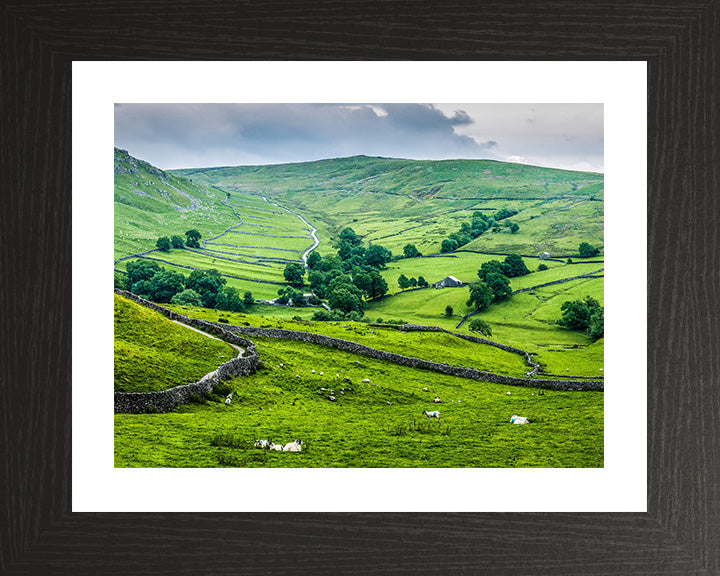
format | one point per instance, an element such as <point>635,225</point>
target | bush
<point>481,326</point>
<point>224,320</point>
<point>222,389</point>
<point>542,267</point>
<point>449,311</point>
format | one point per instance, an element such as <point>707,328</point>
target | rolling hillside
<point>558,209</point>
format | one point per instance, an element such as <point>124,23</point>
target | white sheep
<point>519,419</point>
<point>228,399</point>
<point>436,400</point>
<point>433,414</point>
<point>261,443</point>
<point>274,446</point>
<point>293,446</point>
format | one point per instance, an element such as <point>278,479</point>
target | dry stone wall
<point>165,400</point>
<point>168,399</point>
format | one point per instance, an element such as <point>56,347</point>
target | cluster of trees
<point>192,240</point>
<point>479,224</point>
<point>494,284</point>
<point>481,326</point>
<point>404,282</point>
<point>586,250</point>
<point>346,280</point>
<point>584,316</point>
<point>204,288</point>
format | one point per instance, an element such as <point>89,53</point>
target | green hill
<point>394,201</point>
<point>153,353</point>
<point>150,203</point>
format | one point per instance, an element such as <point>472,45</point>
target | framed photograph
<point>162,489</point>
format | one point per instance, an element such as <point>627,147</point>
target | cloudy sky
<point>170,136</point>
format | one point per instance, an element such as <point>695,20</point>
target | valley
<point>322,248</point>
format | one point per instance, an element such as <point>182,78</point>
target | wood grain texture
<point>680,535</point>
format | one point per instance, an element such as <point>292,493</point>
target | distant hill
<point>395,201</point>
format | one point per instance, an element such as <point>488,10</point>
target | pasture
<point>377,424</point>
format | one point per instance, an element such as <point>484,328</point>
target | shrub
<point>481,326</point>
<point>224,320</point>
<point>542,267</point>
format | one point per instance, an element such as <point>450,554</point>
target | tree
<point>177,242</point>
<point>596,329</point>
<point>187,297</point>
<point>480,295</point>
<point>422,282</point>
<point>413,282</point>
<point>371,283</point>
<point>449,311</point>
<point>248,299</point>
<point>346,298</point>
<point>140,270</point>
<point>586,250</point>
<point>348,235</point>
<point>500,286</point>
<point>514,228</point>
<point>377,256</point>
<point>193,238</point>
<point>542,267</point>
<point>514,266</point>
<point>490,267</point>
<point>504,213</point>
<point>294,273</point>
<point>403,282</point>
<point>207,283</point>
<point>481,326</point>
<point>448,245</point>
<point>577,314</point>
<point>164,285</point>
<point>378,285</point>
<point>313,259</point>
<point>163,243</point>
<point>410,251</point>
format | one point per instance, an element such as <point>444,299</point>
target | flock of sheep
<point>295,446</point>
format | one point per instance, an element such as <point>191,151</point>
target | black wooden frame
<point>680,533</point>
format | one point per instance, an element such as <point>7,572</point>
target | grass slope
<point>153,353</point>
<point>361,429</point>
<point>428,199</point>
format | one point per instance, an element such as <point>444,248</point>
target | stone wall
<point>178,395</point>
<point>442,368</point>
<point>165,400</point>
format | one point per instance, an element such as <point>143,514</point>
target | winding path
<point>313,231</point>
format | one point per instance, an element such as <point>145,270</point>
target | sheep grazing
<point>262,444</point>
<point>433,414</point>
<point>277,447</point>
<point>313,371</point>
<point>436,400</point>
<point>293,446</point>
<point>366,380</point>
<point>228,399</point>
<point>425,389</point>
<point>519,419</point>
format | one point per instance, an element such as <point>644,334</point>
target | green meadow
<point>378,424</point>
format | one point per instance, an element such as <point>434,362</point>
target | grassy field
<point>435,346</point>
<point>378,424</point>
<point>153,353</point>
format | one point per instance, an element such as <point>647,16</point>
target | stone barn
<point>448,282</point>
<point>544,256</point>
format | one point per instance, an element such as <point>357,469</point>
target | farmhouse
<point>448,282</point>
<point>544,256</point>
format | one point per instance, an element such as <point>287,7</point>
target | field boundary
<point>168,399</point>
